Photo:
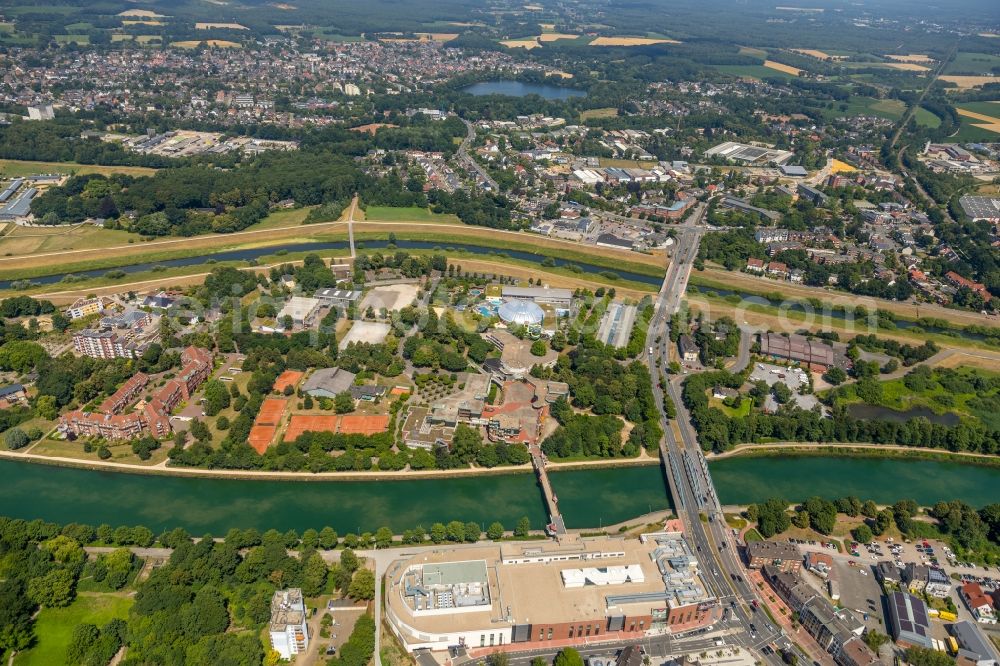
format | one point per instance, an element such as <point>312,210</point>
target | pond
<point>871,412</point>
<point>521,89</point>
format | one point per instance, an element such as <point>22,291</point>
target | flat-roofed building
<point>557,297</point>
<point>287,628</point>
<point>338,298</point>
<point>550,593</point>
<point>782,555</point>
<point>974,648</point>
<point>84,307</point>
<point>300,309</point>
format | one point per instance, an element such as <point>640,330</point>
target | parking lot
<point>793,378</point>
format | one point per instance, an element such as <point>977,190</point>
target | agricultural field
<point>54,626</point>
<point>966,82</point>
<point>759,72</point>
<point>282,218</point>
<point>781,67</point>
<point>214,43</point>
<point>220,26</point>
<point>973,63</point>
<point>16,168</point>
<point>631,41</point>
<point>980,121</point>
<point>891,109</point>
<point>81,40</point>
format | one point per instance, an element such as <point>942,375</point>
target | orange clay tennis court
<point>271,411</point>
<point>301,423</point>
<point>360,424</point>
<point>287,378</point>
<point>261,436</point>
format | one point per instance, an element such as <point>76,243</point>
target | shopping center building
<point>573,591</point>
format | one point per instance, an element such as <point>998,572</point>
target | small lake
<point>521,89</point>
<point>872,412</point>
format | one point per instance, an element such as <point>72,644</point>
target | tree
<point>15,438</point>
<point>349,561</point>
<point>538,348</point>
<point>56,589</point>
<point>362,585</point>
<point>568,657</point>
<point>472,532</point>
<point>383,537</point>
<point>495,531</point>
<point>862,533</point>
<point>835,376</point>
<point>875,640</point>
<point>207,613</point>
<point>328,538</point>
<point>21,356</point>
<point>523,527</point>
<point>343,403</point>
<point>217,397</point>
<point>917,656</point>
<point>314,575</point>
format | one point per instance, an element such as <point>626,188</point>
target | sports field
<point>260,437</point>
<point>271,411</point>
<point>286,379</point>
<point>301,423</point>
<point>363,424</point>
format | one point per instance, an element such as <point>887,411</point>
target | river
<point>250,254</point>
<point>521,89</point>
<point>587,498</point>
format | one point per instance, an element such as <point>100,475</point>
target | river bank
<point>264,475</point>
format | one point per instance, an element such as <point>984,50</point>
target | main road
<point>686,470</point>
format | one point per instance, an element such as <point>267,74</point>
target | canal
<point>253,254</point>
<point>587,498</point>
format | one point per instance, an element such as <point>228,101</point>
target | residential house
<point>979,603</point>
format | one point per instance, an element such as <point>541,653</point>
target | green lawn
<point>15,168</point>
<point>82,40</point>
<point>54,626</point>
<point>408,214</point>
<point>926,118</point>
<point>282,218</point>
<point>972,63</point>
<point>752,535</point>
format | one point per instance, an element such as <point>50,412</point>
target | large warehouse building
<point>536,593</point>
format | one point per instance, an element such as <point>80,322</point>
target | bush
<point>16,438</point>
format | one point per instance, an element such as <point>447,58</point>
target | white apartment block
<point>289,633</point>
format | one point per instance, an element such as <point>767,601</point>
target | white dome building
<point>520,313</point>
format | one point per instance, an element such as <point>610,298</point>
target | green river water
<point>587,498</point>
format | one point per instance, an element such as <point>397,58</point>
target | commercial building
<point>908,621</point>
<point>549,593</point>
<point>765,215</point>
<point>559,298</point>
<point>516,358</point>
<point>817,355</point>
<point>287,628</point>
<point>981,208</point>
<point>782,555</point>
